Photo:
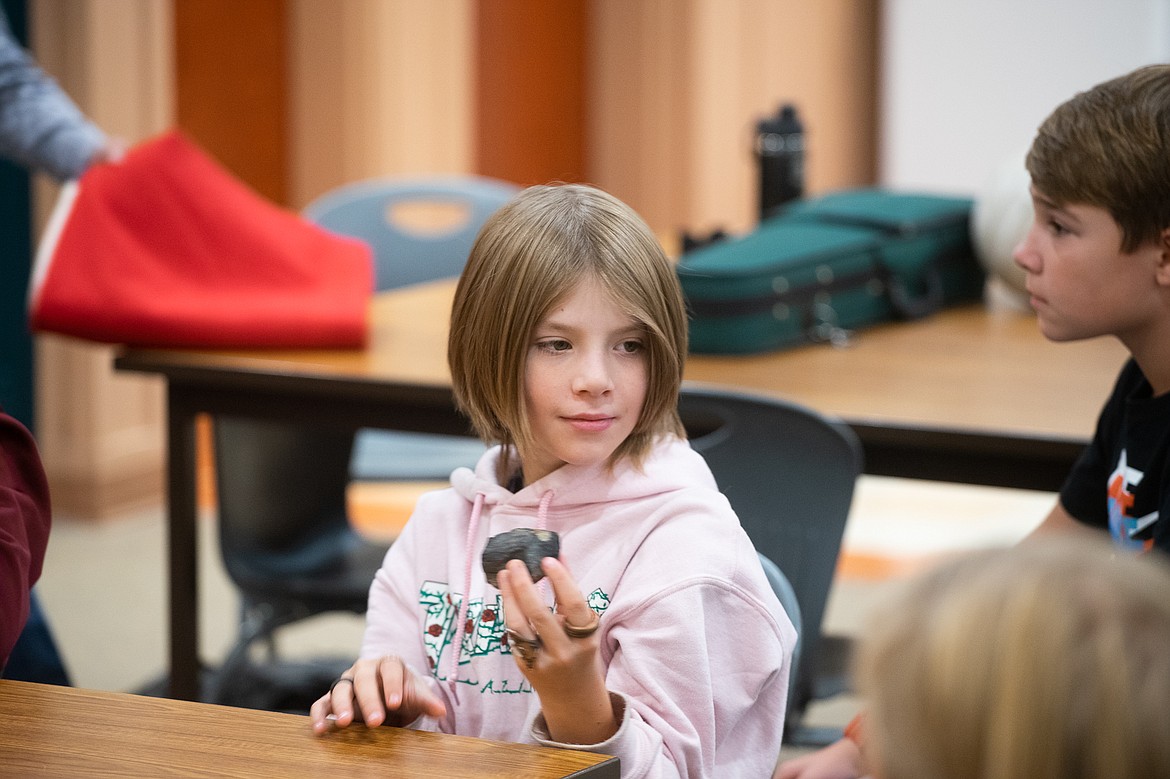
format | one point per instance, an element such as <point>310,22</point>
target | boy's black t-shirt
<point>1121,482</point>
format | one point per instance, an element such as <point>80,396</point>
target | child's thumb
<point>420,698</point>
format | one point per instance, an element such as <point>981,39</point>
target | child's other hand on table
<point>385,691</point>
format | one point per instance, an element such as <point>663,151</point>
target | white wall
<point>965,83</point>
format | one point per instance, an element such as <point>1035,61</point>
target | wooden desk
<point>968,395</point>
<point>66,732</point>
<point>965,396</point>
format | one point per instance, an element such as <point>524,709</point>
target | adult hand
<point>565,670</point>
<point>384,690</point>
<point>840,760</point>
<point>113,151</point>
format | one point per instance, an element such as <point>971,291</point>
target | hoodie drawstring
<point>472,532</point>
<point>542,524</point>
<point>542,510</point>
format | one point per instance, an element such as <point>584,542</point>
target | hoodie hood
<point>670,465</point>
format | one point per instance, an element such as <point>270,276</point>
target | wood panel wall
<point>231,87</point>
<point>530,90</point>
<point>654,101</point>
<point>671,93</point>
<point>677,88</point>
<point>100,434</point>
<point>378,88</point>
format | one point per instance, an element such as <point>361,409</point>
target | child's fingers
<point>322,716</point>
<point>517,587</point>
<point>511,582</point>
<point>522,636</point>
<point>335,707</point>
<point>570,601</point>
<point>578,621</point>
<point>378,688</point>
<point>418,698</point>
<point>534,613</point>
<point>368,691</point>
<point>392,672</point>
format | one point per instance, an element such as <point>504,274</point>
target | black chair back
<point>789,473</point>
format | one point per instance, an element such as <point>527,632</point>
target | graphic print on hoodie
<point>483,631</point>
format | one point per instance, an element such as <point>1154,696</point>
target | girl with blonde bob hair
<point>1050,660</point>
<point>648,630</point>
<point>533,251</point>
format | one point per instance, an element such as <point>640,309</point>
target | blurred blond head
<point>1046,661</point>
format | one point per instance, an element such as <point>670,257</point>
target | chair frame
<point>284,536</point>
<point>403,256</point>
<point>789,472</point>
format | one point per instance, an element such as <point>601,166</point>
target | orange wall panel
<point>530,90</point>
<point>231,86</point>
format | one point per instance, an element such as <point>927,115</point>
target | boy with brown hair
<point>1097,259</point>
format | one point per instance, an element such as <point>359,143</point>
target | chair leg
<point>270,646</point>
<point>258,622</point>
<point>254,625</point>
<point>830,678</point>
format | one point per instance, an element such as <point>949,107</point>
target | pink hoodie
<point>694,642</point>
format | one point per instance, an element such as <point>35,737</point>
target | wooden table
<point>970,395</point>
<point>65,732</point>
<point>967,395</point>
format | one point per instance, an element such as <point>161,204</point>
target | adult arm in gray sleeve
<point>40,126</point>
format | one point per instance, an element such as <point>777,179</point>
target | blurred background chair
<point>289,549</point>
<point>787,597</point>
<point>285,536</point>
<point>420,230</point>
<point>789,473</point>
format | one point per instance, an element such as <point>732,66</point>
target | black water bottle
<point>780,150</point>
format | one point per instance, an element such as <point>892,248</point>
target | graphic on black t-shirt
<point>1129,532</point>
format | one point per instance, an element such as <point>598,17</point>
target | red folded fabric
<point>166,248</point>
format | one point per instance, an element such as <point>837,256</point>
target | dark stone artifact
<point>525,544</point>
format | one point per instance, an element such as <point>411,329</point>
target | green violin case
<point>826,266</point>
